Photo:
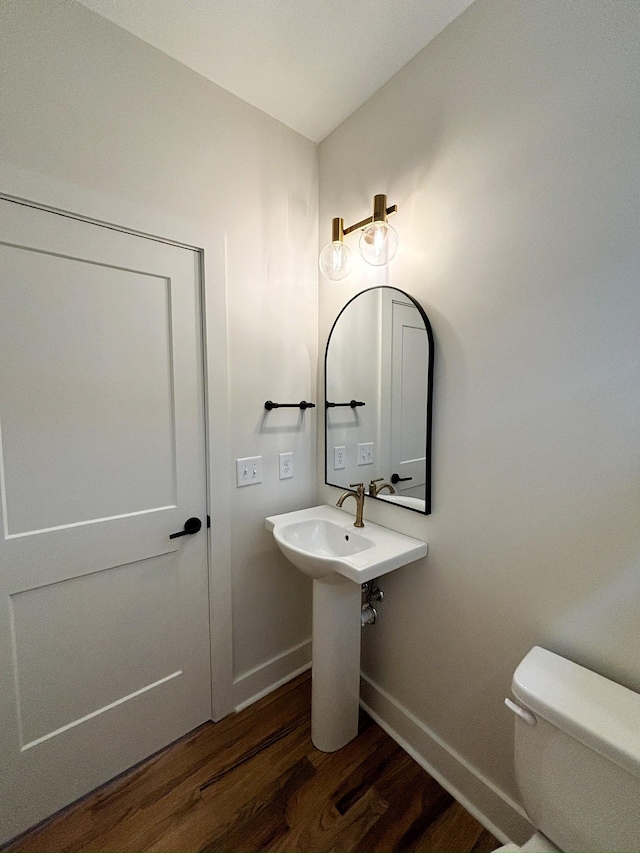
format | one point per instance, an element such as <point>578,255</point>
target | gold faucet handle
<point>373,489</point>
<point>356,486</point>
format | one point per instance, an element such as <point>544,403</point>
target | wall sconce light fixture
<point>378,242</point>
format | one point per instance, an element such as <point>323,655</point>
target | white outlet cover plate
<point>286,466</point>
<point>248,471</point>
<point>339,456</point>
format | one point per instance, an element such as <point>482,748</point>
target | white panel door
<point>409,357</point>
<point>104,637</point>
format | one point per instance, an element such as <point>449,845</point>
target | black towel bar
<point>301,405</point>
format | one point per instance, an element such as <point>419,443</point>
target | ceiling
<point>307,63</point>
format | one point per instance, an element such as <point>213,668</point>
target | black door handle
<point>396,478</point>
<point>191,525</point>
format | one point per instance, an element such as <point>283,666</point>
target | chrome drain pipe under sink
<point>368,613</point>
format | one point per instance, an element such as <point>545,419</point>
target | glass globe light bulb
<point>378,243</point>
<point>335,261</point>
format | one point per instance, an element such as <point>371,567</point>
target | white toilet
<point>577,756</point>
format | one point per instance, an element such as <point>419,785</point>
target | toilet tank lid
<point>599,713</point>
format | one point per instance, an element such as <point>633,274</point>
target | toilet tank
<point>577,755</point>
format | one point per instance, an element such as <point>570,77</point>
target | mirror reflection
<point>378,394</point>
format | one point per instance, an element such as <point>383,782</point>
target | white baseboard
<point>258,682</point>
<point>492,807</point>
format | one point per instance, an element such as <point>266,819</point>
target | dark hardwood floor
<point>254,782</point>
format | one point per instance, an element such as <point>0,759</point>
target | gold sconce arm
<point>364,222</point>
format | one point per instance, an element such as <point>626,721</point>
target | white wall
<point>510,145</point>
<point>96,121</point>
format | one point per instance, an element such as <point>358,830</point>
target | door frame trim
<point>107,212</point>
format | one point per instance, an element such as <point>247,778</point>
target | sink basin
<point>317,546</point>
<point>323,542</point>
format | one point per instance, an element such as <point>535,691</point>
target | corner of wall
<point>268,676</point>
<point>485,801</point>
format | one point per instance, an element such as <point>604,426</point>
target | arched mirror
<point>378,396</point>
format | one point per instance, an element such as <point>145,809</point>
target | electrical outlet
<point>339,455</point>
<point>248,471</point>
<point>365,453</point>
<point>286,466</point>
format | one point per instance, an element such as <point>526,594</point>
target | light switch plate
<point>286,466</point>
<point>249,471</point>
<point>365,453</point>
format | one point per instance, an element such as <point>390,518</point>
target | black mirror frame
<point>427,501</point>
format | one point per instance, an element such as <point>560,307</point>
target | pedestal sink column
<point>324,544</point>
<point>335,686</point>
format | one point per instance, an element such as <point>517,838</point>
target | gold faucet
<point>359,496</point>
<point>373,489</point>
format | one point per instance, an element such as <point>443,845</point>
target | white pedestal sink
<point>324,544</point>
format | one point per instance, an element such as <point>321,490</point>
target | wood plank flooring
<point>254,782</point>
